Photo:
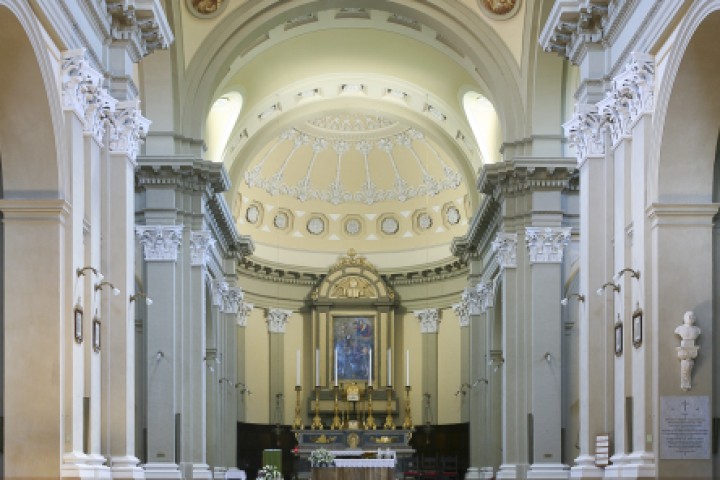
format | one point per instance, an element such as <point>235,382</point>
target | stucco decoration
<point>500,9</point>
<point>206,8</point>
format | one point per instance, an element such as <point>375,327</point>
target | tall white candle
<point>336,354</point>
<point>370,369</point>
<point>389,366</point>
<point>317,367</point>
<point>407,368</point>
<point>297,368</point>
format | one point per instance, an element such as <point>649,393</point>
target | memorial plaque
<point>685,427</point>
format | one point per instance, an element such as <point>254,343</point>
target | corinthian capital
<point>232,298</point>
<point>546,244</point>
<point>83,93</point>
<point>277,319</point>
<point>486,295</point>
<point>585,132</point>
<point>201,242</point>
<point>160,242</point>
<point>429,319</point>
<point>128,128</point>
<point>637,82</point>
<point>505,247</point>
<point>244,313</point>
<point>462,311</point>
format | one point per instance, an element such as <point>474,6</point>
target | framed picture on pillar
<point>96,335</point>
<point>637,327</point>
<point>78,323</point>
<point>618,337</point>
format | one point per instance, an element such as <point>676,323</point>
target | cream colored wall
<point>449,368</point>
<point>257,374</point>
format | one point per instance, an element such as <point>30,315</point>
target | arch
<point>487,53</point>
<point>687,112</point>
<point>29,110</point>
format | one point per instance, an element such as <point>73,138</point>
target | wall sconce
<point>78,322</point>
<point>148,300</point>
<point>159,355</point>
<point>633,274</point>
<point>243,388</point>
<point>115,290</point>
<point>463,389</point>
<point>81,271</point>
<point>547,357</point>
<point>580,297</point>
<point>614,286</point>
<point>496,362</point>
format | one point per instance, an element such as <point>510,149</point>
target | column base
<point>202,471</point>
<point>75,465</point>
<point>126,467</point>
<point>484,473</point>
<point>219,473</point>
<point>162,471</point>
<point>585,468</point>
<point>509,470</point>
<point>639,465</point>
<point>548,471</point>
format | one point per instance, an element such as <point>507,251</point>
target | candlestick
<point>389,424</point>
<point>370,369</point>
<point>407,368</point>
<point>336,423</point>
<point>316,423</point>
<point>407,424</point>
<point>336,376</point>
<point>317,367</point>
<point>389,369</point>
<point>370,420</point>
<point>297,424</point>
<point>297,368</point>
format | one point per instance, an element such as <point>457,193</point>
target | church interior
<point>456,238</point>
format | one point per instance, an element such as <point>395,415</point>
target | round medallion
<point>316,226</point>
<point>424,221</point>
<point>353,226</point>
<point>389,226</point>
<point>252,215</point>
<point>452,215</point>
<point>281,220</point>
<point>206,8</point>
<point>500,9</point>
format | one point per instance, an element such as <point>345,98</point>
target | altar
<point>353,473</point>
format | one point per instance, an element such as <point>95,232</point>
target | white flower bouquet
<point>322,458</point>
<point>269,472</point>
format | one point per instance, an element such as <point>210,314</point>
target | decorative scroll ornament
<point>277,319</point>
<point>585,131</point>
<point>128,128</point>
<point>201,243</point>
<point>429,320</point>
<point>687,351</point>
<point>462,311</point>
<point>505,247</point>
<point>486,295</point>
<point>160,242</point>
<point>232,298</point>
<point>546,244</point>
<point>243,313</point>
<point>83,93</point>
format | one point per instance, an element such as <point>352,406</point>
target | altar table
<point>353,473</point>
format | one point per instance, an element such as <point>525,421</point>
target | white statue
<point>687,351</point>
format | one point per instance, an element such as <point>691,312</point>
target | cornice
<point>187,172</point>
<point>526,174</point>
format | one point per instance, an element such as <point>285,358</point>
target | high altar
<point>354,406</point>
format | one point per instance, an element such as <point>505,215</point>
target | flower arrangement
<point>269,472</point>
<point>322,458</point>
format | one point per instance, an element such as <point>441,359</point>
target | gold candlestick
<point>389,424</point>
<point>297,424</point>
<point>336,423</point>
<point>407,424</point>
<point>370,421</point>
<point>316,423</point>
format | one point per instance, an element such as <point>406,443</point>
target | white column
<point>505,247</point>
<point>118,246</point>
<point>585,132</point>
<point>194,435</point>
<point>545,247</point>
<point>160,246</point>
